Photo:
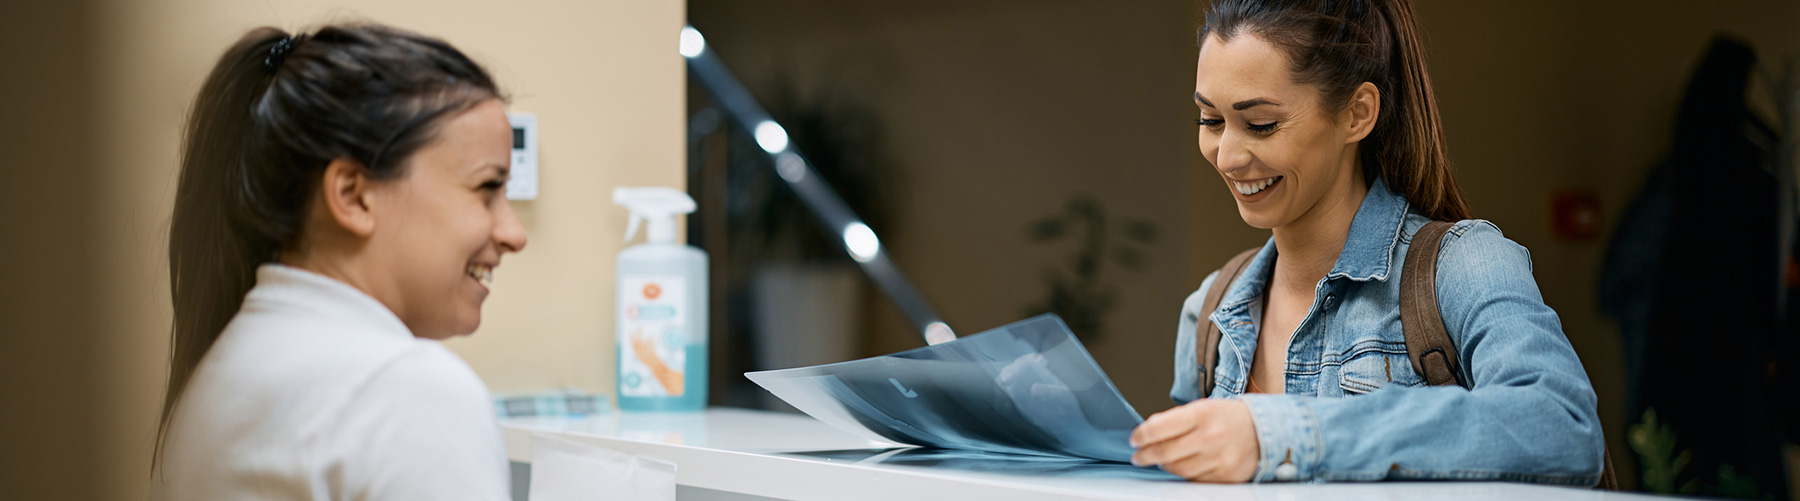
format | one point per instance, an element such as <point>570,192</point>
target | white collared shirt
<point>317,391</point>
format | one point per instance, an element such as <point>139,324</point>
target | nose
<point>1233,153</point>
<point>509,234</point>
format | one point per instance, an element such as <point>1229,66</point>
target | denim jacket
<point>1354,409</point>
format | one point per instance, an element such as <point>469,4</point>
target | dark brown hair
<point>276,109</point>
<point>1336,45</point>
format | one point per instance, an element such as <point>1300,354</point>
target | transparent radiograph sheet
<point>991,462</point>
<point>1025,388</point>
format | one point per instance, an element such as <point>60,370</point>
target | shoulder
<point>423,404</point>
<point>1190,308</point>
<point>1197,299</point>
<point>294,365</point>
<point>426,377</point>
<point>1478,270</point>
<point>1476,247</point>
<point>423,427</point>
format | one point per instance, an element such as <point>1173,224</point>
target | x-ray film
<point>1025,388</point>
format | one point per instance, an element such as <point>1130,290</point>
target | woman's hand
<point>1207,440</point>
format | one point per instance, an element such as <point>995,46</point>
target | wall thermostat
<point>524,182</point>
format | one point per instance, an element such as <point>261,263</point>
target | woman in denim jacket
<point>1319,117</point>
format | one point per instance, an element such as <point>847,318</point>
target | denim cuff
<point>1287,430</point>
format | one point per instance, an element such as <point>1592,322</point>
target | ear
<point>345,193</point>
<point>1364,110</point>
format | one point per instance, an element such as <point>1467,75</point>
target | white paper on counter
<point>565,470</point>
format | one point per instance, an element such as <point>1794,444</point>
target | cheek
<point>478,225</point>
<point>463,223</point>
<point>441,238</point>
<point>1295,153</point>
<point>1315,154</point>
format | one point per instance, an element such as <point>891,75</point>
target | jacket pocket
<point>1375,369</point>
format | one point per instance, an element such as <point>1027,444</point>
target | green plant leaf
<point>1654,443</point>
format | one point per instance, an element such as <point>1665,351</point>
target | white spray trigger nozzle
<point>659,205</point>
<point>632,227</point>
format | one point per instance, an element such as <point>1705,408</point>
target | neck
<point>340,266</point>
<point>1307,248</point>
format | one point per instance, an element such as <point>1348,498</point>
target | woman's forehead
<point>472,141</point>
<point>1244,68</point>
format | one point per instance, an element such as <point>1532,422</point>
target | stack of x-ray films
<point>1025,388</point>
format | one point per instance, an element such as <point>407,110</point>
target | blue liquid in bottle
<point>662,327</point>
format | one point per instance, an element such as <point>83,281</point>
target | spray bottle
<point>662,322</point>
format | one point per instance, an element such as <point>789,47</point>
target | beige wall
<point>113,80</point>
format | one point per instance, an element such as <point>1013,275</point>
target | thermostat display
<point>524,183</point>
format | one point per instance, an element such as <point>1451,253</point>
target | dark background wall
<point>999,111</point>
<point>47,338</point>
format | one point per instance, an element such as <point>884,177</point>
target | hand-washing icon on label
<point>903,390</point>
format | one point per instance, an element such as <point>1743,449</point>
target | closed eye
<point>1209,122</point>
<point>1262,128</point>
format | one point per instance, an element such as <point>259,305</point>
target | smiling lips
<point>480,272</point>
<point>1253,187</point>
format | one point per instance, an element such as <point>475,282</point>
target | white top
<point>316,391</point>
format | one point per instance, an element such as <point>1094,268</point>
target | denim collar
<point>1367,255</point>
<point>1374,233</point>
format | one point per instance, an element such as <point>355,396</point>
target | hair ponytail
<point>1338,45</point>
<point>212,263</point>
<point>1411,152</point>
<point>274,111</point>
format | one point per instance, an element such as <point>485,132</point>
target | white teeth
<point>1254,188</point>
<point>483,274</point>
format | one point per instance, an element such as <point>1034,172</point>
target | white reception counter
<point>727,453</point>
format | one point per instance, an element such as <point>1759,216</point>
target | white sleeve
<point>423,428</point>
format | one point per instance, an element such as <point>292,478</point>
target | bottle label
<point>653,336</point>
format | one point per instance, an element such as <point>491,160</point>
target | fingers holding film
<point>1163,426</point>
<point>1173,449</point>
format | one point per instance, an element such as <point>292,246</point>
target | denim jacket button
<point>1330,300</point>
<point>1286,472</point>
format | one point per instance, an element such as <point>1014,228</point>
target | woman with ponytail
<point>1318,116</point>
<point>340,209</point>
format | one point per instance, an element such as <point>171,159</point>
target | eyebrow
<point>503,169</point>
<point>1240,105</point>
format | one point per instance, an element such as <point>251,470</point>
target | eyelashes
<point>1214,123</point>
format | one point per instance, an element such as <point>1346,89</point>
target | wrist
<point>1287,433</point>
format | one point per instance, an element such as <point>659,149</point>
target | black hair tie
<point>278,53</point>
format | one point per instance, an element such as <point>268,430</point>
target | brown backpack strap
<point>1206,335</point>
<point>1608,480</point>
<point>1427,344</point>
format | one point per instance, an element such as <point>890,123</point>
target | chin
<point>462,326</point>
<point>466,325</point>
<point>1258,220</point>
